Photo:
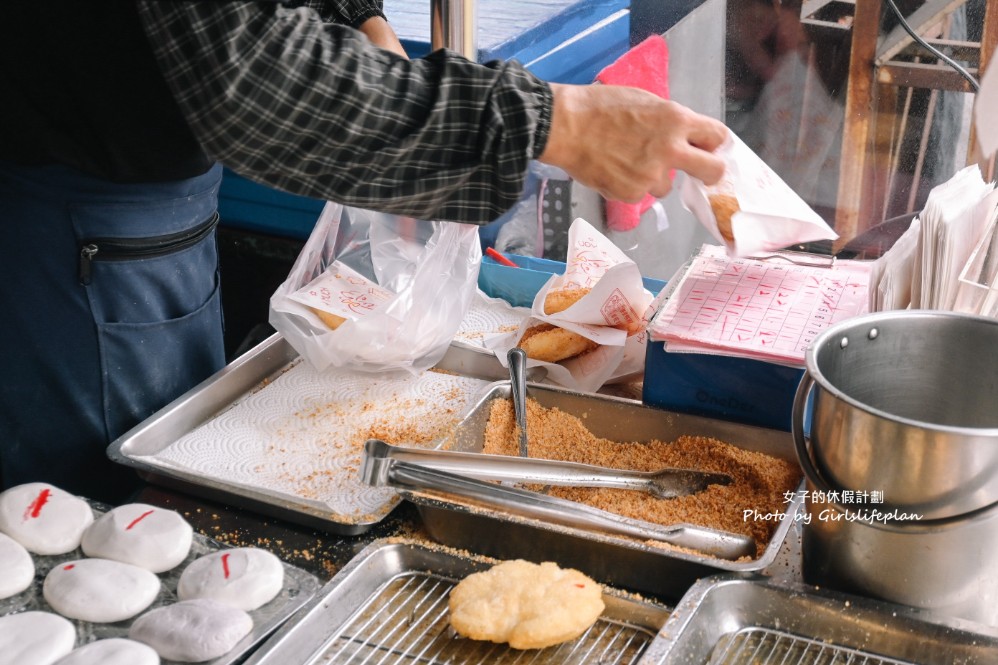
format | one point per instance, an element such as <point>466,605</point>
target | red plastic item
<point>499,258</point>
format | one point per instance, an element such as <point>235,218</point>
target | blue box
<point>519,286</point>
<point>742,390</point>
<point>250,206</point>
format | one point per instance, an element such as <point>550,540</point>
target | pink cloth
<point>645,66</point>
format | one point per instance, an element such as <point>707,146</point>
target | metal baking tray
<point>615,560</point>
<point>729,620</point>
<point>243,377</point>
<point>299,588</point>
<point>389,604</point>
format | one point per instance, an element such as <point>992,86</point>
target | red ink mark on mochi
<point>581,586</point>
<point>69,566</point>
<point>139,519</point>
<point>35,507</point>
<point>225,564</point>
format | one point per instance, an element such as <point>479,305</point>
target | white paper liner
<point>301,437</point>
<point>486,318</point>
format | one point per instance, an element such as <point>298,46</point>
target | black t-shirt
<point>81,88</point>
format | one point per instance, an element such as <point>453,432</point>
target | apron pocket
<point>138,280</point>
<point>146,365</point>
<point>156,305</point>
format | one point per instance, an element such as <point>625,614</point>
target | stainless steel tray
<point>389,604</point>
<point>299,588</point>
<point>243,377</point>
<point>615,560</point>
<point>728,620</point>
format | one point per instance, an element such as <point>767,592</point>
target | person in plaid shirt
<point>117,118</point>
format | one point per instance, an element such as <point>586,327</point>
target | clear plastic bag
<point>431,267</point>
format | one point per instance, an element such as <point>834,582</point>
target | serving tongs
<point>447,472</point>
<point>663,484</point>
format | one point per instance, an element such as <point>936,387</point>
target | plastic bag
<point>430,267</point>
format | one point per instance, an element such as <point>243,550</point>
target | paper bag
<point>610,314</point>
<point>765,214</point>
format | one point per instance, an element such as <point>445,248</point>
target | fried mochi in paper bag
<point>587,325</point>
<point>340,294</point>
<point>337,296</point>
<point>751,210</point>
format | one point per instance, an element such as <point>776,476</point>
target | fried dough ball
<point>551,344</point>
<point>724,207</point>
<point>330,320</point>
<point>559,301</point>
<point>524,604</point>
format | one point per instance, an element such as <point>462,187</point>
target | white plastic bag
<point>430,267</point>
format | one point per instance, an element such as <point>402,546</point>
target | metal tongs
<point>463,474</point>
<point>663,484</point>
<point>517,360</point>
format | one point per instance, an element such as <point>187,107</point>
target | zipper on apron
<point>126,249</point>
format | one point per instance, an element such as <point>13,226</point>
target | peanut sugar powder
<point>759,481</point>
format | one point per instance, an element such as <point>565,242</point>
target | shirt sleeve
<point>347,12</point>
<point>288,99</point>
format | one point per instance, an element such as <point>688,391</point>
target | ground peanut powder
<point>761,482</point>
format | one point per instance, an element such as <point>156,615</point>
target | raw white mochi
<point>243,577</point>
<point>99,590</point>
<point>113,651</point>
<point>192,630</point>
<point>44,518</point>
<point>146,536</point>
<point>38,638</point>
<point>17,570</point>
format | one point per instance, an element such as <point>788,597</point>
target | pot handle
<point>801,442</point>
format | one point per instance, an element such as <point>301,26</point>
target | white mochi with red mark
<point>39,638</point>
<point>112,651</point>
<point>146,536</point>
<point>243,577</point>
<point>192,630</point>
<point>43,518</point>
<point>17,570</point>
<point>99,590</point>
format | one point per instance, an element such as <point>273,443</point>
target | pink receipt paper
<point>767,309</point>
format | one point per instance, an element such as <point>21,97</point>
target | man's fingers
<point>707,134</point>
<point>662,189</point>
<point>703,165</point>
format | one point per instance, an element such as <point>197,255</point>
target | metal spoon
<point>664,484</point>
<point>517,360</point>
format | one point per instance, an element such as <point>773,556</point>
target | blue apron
<point>110,302</point>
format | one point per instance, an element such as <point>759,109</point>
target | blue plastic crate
<point>518,286</point>
<point>250,206</point>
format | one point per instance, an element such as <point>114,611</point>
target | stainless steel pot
<point>948,566</point>
<point>906,406</point>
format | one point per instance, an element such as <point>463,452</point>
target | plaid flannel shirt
<point>295,98</point>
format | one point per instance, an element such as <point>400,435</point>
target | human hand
<point>623,142</point>
<point>382,35</point>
